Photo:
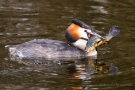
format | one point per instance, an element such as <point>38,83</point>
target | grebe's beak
<point>93,43</point>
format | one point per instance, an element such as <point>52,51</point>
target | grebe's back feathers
<point>43,48</point>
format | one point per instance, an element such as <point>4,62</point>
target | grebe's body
<point>44,48</point>
<point>79,35</point>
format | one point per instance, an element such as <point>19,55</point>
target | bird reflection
<point>91,68</point>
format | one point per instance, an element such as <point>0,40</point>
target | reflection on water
<point>76,74</point>
<point>23,20</point>
<point>90,69</point>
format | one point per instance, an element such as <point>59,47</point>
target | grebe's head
<point>76,34</point>
<point>76,31</point>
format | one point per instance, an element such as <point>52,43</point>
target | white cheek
<point>82,32</point>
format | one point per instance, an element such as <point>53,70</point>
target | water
<point>23,20</point>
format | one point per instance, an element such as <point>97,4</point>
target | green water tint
<point>21,21</point>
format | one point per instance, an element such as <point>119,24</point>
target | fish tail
<point>113,32</point>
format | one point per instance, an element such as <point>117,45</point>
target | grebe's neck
<point>81,44</point>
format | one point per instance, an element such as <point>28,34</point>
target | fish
<point>96,40</point>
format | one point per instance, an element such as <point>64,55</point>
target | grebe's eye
<point>85,30</point>
<point>88,34</point>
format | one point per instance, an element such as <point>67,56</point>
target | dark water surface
<point>24,20</point>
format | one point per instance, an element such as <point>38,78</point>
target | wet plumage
<point>77,36</point>
<point>44,48</point>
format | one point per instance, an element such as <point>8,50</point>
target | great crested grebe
<point>82,42</point>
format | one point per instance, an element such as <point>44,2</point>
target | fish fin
<point>112,33</point>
